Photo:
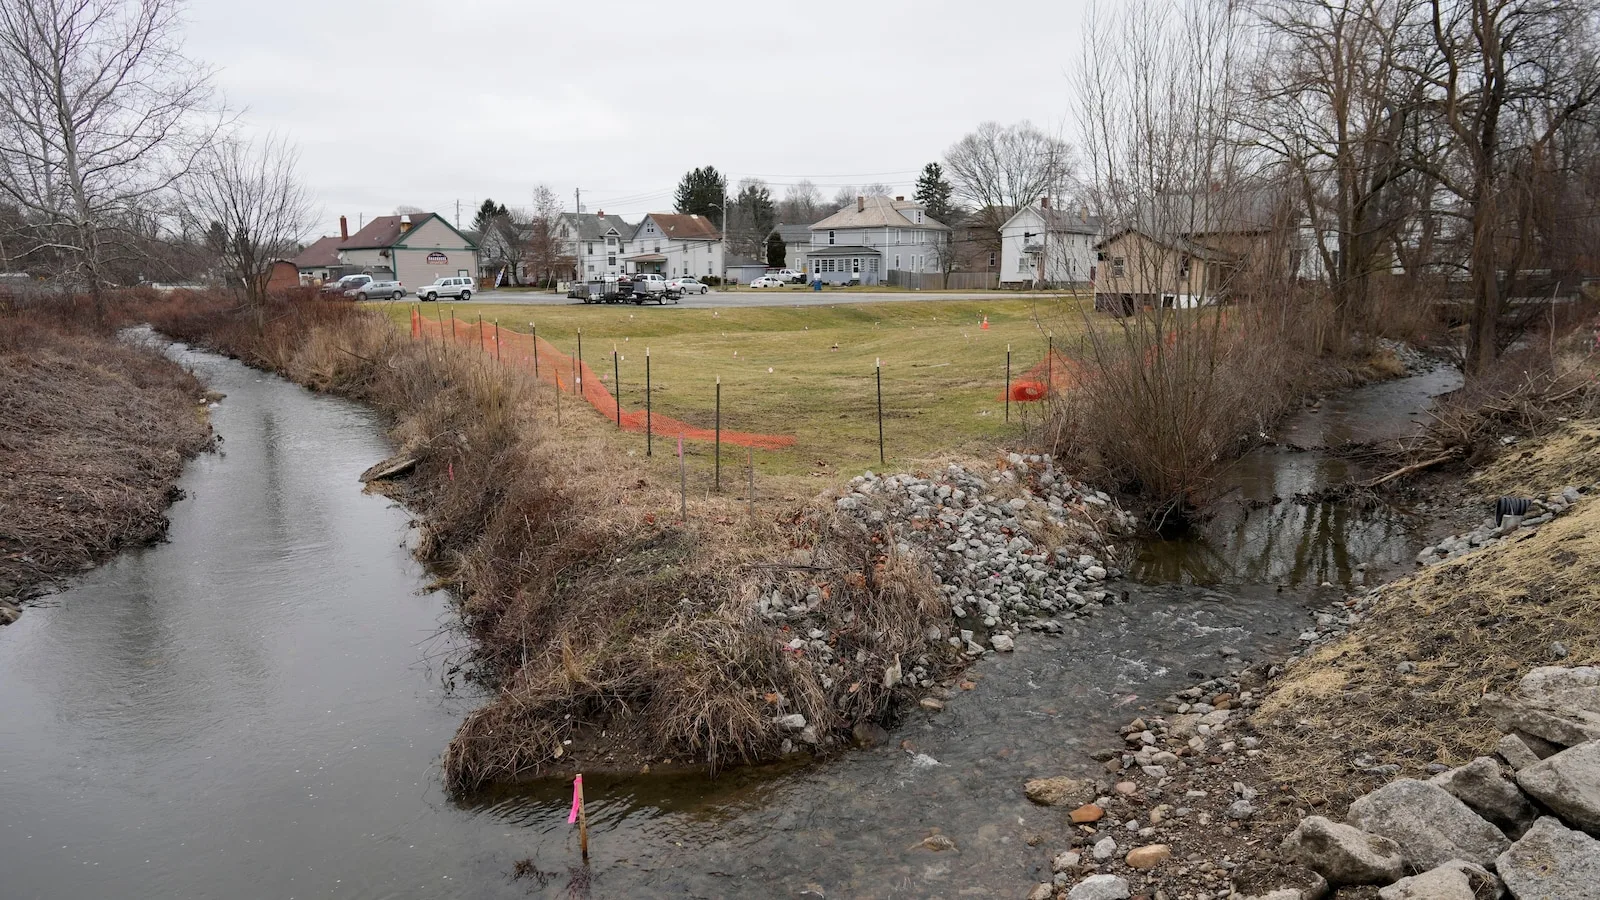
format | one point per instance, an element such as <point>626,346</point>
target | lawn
<point>809,371</point>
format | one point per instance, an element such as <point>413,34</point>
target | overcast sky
<point>428,103</point>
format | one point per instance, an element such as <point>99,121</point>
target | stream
<point>256,707</point>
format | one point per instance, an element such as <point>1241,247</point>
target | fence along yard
<point>943,374</point>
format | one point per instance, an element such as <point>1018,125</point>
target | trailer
<point>608,289</point>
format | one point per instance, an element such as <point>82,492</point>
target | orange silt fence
<point>540,358</point>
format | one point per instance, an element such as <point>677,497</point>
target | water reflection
<point>1267,530</point>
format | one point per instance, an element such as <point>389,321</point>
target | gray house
<point>877,235</point>
<point>743,269</point>
<point>796,244</point>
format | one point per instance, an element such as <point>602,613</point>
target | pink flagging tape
<point>577,794</point>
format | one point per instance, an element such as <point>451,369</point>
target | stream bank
<point>94,431</point>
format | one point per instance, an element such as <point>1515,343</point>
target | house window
<point>991,259</point>
<point>1023,263</point>
<point>919,217</point>
<point>872,265</point>
<point>591,268</point>
<point>1183,269</point>
<point>658,248</point>
<point>589,248</point>
<point>830,237</point>
<point>1119,266</point>
<point>897,262</point>
<point>611,260</point>
<point>897,235</point>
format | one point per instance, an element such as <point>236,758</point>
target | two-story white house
<point>598,242</point>
<point>878,235</point>
<point>676,244</point>
<point>1042,246</point>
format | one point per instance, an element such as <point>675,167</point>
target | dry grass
<point>1469,626</point>
<point>93,434</point>
<point>595,610</point>
<point>1164,400</point>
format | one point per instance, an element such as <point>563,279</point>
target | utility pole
<point>458,213</point>
<point>724,280</point>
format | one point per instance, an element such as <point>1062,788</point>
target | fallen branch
<point>1403,471</point>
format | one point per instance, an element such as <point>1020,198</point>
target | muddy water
<point>255,709</point>
<point>1261,534</point>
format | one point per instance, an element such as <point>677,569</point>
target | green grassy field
<point>808,371</point>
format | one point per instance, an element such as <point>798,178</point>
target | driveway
<point>769,297</point>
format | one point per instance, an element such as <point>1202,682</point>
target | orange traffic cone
<point>985,325</point>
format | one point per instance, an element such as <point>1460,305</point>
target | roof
<point>685,226</point>
<point>593,226</point>
<point>322,253</point>
<point>647,257</point>
<point>385,231</point>
<point>1174,242</point>
<point>1060,220</point>
<point>855,250</point>
<point>877,212</point>
<point>793,234</point>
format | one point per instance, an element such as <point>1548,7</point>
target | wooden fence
<point>938,281</point>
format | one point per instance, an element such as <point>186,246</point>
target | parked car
<point>766,281</point>
<point>457,286</point>
<point>688,284</point>
<point>394,290</point>
<point>344,286</point>
<point>789,276</point>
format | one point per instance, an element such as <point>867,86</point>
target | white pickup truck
<point>649,286</point>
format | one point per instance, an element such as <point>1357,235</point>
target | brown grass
<point>1470,626</point>
<point>595,611</point>
<point>94,431</point>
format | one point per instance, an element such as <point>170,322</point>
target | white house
<point>1041,246</point>
<point>597,242</point>
<point>875,236</point>
<point>418,248</point>
<point>675,244</point>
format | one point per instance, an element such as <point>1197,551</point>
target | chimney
<point>861,204</point>
<point>601,214</point>
<point>900,198</point>
<point>1083,214</point>
<point>405,224</point>
<point>1044,202</point>
<point>344,229</point>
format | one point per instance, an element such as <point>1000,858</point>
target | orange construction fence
<point>540,358</point>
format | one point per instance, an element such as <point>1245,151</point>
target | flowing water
<point>256,708</point>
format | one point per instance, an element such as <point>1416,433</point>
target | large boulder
<point>1551,862</point>
<point>1455,880</point>
<point>1100,887</point>
<point>1480,785</point>
<point>1342,854</point>
<point>1431,826</point>
<point>1559,705</point>
<point>1569,784</point>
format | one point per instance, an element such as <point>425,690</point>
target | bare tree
<point>548,254</point>
<point>99,112</point>
<point>844,196</point>
<point>1008,166</point>
<point>249,195</point>
<point>1335,93</point>
<point>801,205</point>
<point>1508,77</point>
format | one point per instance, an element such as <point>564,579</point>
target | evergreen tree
<point>754,215</point>
<point>777,254</point>
<point>488,212</point>
<point>934,193</point>
<point>701,192</point>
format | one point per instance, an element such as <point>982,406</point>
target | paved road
<point>771,297</point>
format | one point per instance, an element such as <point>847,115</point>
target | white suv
<point>459,287</point>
